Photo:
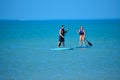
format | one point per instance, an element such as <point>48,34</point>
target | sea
<point>25,50</point>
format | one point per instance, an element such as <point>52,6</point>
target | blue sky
<point>59,9</point>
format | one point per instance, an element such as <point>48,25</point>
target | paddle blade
<point>89,43</point>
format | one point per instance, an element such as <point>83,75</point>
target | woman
<point>81,32</point>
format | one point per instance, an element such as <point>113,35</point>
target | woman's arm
<point>77,31</point>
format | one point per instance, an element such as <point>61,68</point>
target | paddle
<point>88,42</point>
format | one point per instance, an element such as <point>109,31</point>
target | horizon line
<point>54,19</point>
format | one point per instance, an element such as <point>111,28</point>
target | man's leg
<point>63,44</point>
<point>59,43</point>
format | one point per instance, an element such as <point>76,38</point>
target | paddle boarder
<point>61,36</point>
<point>81,32</point>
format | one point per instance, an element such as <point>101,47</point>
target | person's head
<point>81,28</point>
<point>62,27</point>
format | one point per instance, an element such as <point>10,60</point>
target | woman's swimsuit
<point>81,32</point>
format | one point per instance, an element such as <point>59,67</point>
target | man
<point>61,36</point>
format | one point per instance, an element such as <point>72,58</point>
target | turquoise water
<point>25,50</point>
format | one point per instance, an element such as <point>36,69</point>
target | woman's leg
<point>80,42</point>
<point>83,40</point>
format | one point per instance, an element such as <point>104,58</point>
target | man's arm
<point>61,34</point>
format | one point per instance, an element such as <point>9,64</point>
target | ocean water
<point>25,50</point>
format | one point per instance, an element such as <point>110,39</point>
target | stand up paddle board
<point>62,49</point>
<point>82,47</point>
